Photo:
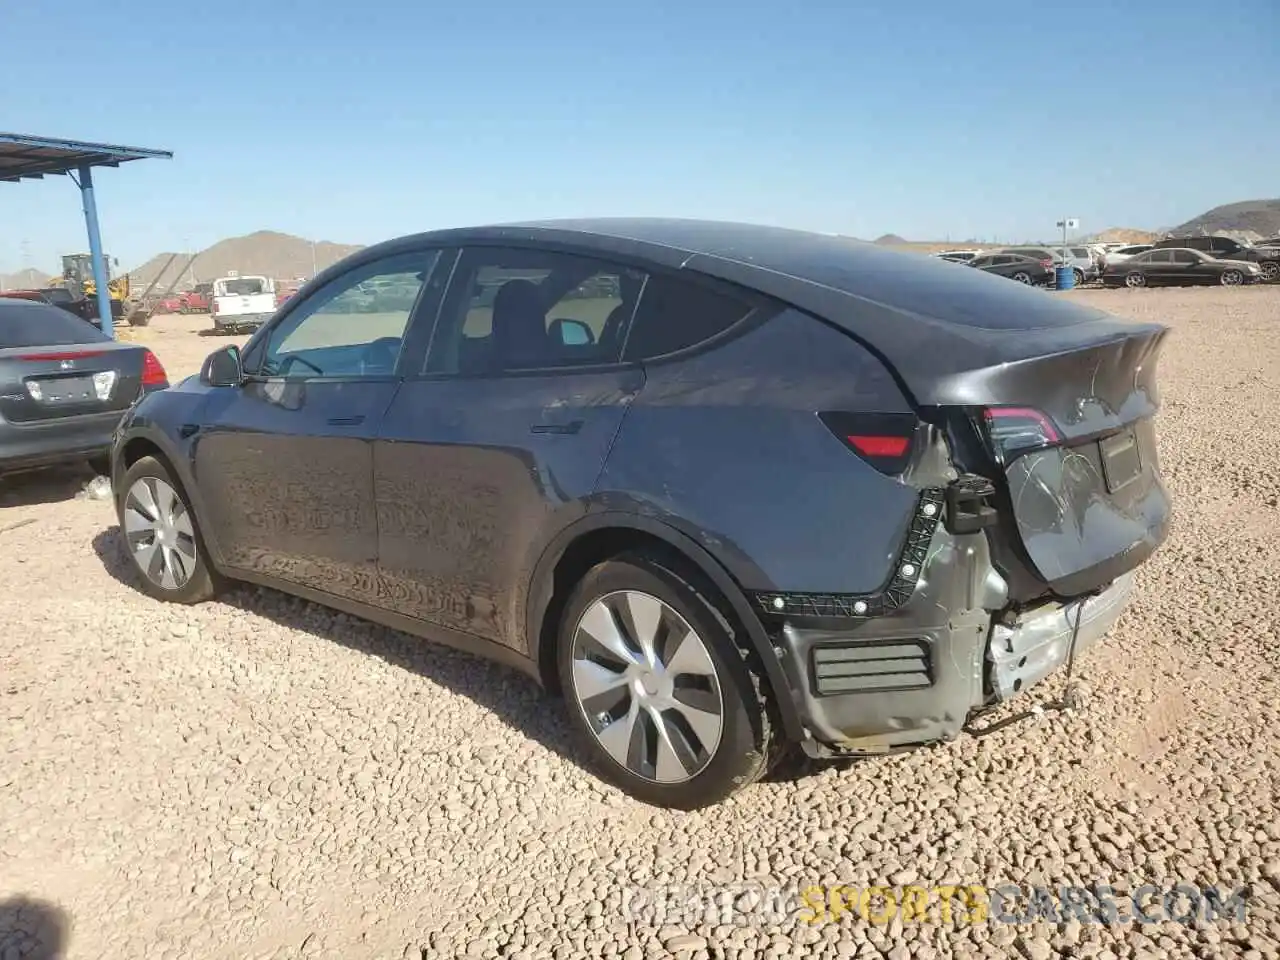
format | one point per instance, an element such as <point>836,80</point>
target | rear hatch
<point>45,383</point>
<point>1051,401</point>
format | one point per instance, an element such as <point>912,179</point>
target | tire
<point>1079,276</point>
<point>1270,270</point>
<point>190,578</point>
<point>1231,278</point>
<point>1134,280</point>
<point>1022,277</point>
<point>700,766</point>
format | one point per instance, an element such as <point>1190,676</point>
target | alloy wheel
<point>1135,280</point>
<point>1022,277</point>
<point>647,686</point>
<point>1232,278</point>
<point>1270,270</point>
<point>158,530</point>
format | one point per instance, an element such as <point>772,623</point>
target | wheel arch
<point>595,538</point>
<point>149,440</point>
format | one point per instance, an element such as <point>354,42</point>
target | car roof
<point>913,309</point>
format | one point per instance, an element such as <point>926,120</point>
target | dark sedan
<point>1024,269</point>
<point>731,489</point>
<point>64,386</point>
<point>1175,266</point>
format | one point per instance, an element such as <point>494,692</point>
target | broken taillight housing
<point>884,440</point>
<point>1012,431</point>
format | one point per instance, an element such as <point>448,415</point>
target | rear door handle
<point>346,421</point>
<point>570,427</point>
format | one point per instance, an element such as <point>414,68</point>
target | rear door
<point>285,461</point>
<point>502,435</point>
<point>1192,267</point>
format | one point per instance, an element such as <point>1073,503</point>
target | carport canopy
<point>24,157</point>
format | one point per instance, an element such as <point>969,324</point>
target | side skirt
<point>455,639</point>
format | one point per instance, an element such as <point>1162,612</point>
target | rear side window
<point>1160,256</point>
<point>24,323</point>
<point>675,315</point>
<point>1185,256</point>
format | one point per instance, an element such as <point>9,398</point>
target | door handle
<point>346,421</point>
<point>570,427</point>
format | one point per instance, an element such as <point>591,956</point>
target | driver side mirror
<point>222,368</point>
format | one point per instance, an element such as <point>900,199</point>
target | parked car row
<point>1173,260</point>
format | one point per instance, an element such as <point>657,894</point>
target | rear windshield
<point>241,287</point>
<point>24,323</point>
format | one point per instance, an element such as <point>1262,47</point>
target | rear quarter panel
<point>725,445</point>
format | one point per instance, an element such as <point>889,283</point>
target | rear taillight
<point>884,440</point>
<point>62,355</point>
<point>1047,264</point>
<point>213,306</point>
<point>1015,430</point>
<point>153,374</point>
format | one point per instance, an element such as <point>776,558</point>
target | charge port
<point>969,504</point>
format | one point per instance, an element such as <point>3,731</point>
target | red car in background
<point>193,301</point>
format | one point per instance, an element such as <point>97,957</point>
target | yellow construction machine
<point>77,278</point>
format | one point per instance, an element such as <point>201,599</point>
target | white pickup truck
<point>241,303</point>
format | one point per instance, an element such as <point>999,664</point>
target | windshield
<point>241,287</point>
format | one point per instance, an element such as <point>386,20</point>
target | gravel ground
<point>261,777</point>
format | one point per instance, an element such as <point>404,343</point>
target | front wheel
<point>1022,277</point>
<point>1135,280</point>
<point>1232,278</point>
<point>658,689</point>
<point>1270,270</point>
<point>161,536</point>
<point>1079,277</point>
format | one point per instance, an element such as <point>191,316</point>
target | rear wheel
<point>1135,280</point>
<point>1022,277</point>
<point>1079,277</point>
<point>1232,278</point>
<point>161,536</point>
<point>656,686</point>
<point>1270,270</point>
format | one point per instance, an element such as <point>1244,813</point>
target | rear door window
<point>675,315</point>
<point>1160,256</point>
<point>519,309</point>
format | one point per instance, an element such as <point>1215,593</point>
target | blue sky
<point>354,122</point>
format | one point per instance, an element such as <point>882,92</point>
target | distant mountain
<point>23,279</point>
<point>1261,217</point>
<point>1125,235</point>
<point>266,252</point>
<point>890,240</point>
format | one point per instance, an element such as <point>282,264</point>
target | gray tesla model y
<point>733,490</point>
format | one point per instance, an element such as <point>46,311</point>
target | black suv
<point>1224,248</point>
<point>730,488</point>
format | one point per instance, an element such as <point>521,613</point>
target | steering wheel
<point>380,355</point>
<point>293,358</point>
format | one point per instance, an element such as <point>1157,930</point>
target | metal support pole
<point>95,252</point>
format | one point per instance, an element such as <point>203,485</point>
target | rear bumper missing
<point>917,674</point>
<point>1023,654</point>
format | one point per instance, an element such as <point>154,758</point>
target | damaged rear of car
<point>1032,453</point>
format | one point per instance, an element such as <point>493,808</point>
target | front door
<point>285,463</point>
<point>503,435</point>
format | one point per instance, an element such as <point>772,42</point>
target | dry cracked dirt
<point>261,777</point>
